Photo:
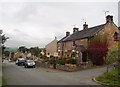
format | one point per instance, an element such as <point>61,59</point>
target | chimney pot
<point>75,29</point>
<point>109,18</point>
<point>67,33</point>
<point>85,26</point>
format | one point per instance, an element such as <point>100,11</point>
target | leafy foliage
<point>22,48</point>
<point>3,39</point>
<point>35,51</point>
<point>62,61</point>
<point>98,48</point>
<point>112,55</point>
<point>111,78</point>
<point>7,53</point>
<point>72,61</point>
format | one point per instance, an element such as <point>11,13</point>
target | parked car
<point>20,61</point>
<point>29,63</point>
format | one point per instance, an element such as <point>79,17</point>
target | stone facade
<point>109,28</point>
<point>51,48</point>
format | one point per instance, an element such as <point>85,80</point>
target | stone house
<point>60,44</point>
<point>78,41</point>
<point>51,48</point>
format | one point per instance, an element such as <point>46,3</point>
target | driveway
<point>18,75</point>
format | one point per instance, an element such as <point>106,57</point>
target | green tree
<point>3,39</point>
<point>112,55</point>
<point>35,51</point>
<point>6,53</point>
<point>22,48</point>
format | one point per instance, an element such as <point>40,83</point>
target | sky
<point>36,23</point>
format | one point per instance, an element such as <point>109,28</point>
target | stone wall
<point>66,67</point>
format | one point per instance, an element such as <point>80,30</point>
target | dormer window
<point>116,36</point>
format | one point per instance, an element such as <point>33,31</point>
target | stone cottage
<point>51,48</point>
<point>78,41</point>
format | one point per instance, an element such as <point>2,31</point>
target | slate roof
<point>84,33</point>
<point>61,40</point>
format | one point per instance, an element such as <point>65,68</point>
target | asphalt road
<point>18,75</point>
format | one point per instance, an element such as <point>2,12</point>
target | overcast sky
<point>35,23</point>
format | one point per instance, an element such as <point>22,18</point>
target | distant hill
<point>11,49</point>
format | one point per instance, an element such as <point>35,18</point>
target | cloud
<point>37,23</point>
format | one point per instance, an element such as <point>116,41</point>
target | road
<point>18,75</point>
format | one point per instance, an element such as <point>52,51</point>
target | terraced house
<point>78,41</point>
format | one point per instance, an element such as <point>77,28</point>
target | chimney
<point>75,29</point>
<point>109,18</point>
<point>67,33</point>
<point>119,27</point>
<point>85,26</point>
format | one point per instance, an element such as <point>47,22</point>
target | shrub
<point>62,61</point>
<point>97,49</point>
<point>52,60</point>
<point>112,55</point>
<point>72,61</point>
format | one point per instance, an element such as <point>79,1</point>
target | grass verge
<point>112,78</point>
<point>4,83</point>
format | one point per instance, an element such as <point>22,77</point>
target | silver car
<point>29,63</point>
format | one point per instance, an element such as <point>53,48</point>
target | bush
<point>72,61</point>
<point>52,60</point>
<point>62,61</point>
<point>112,55</point>
<point>97,49</point>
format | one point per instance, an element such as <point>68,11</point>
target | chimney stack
<point>85,26</point>
<point>109,18</point>
<point>75,29</point>
<point>119,27</point>
<point>67,33</point>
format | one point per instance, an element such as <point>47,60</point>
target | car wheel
<point>26,66</point>
<point>33,66</point>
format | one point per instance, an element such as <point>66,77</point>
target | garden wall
<point>66,67</point>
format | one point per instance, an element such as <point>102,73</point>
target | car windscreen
<point>30,61</point>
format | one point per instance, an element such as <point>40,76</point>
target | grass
<point>3,82</point>
<point>112,78</point>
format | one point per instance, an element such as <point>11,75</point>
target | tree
<point>6,53</point>
<point>3,39</point>
<point>22,48</point>
<point>112,55</point>
<point>98,48</point>
<point>35,51</point>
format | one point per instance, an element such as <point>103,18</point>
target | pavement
<point>18,75</point>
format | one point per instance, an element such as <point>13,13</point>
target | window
<point>116,36</point>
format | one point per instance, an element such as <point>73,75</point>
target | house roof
<point>84,33</point>
<point>61,40</point>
